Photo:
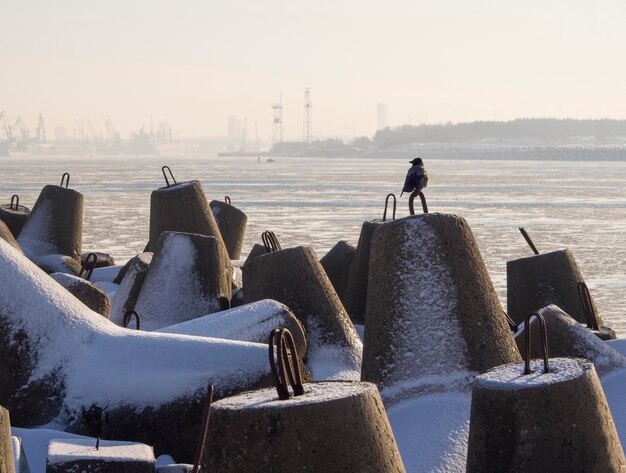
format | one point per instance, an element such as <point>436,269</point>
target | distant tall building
<point>381,116</point>
<point>60,134</point>
<point>235,131</point>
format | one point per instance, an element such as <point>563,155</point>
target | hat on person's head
<point>416,161</point>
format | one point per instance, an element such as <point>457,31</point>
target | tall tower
<point>308,120</point>
<point>277,122</point>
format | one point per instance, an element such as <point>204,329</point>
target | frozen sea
<point>565,198</point>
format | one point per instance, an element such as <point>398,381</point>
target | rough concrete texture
<point>257,250</point>
<point>86,292</point>
<point>356,288</point>
<point>433,316</point>
<point>14,218</point>
<point>296,278</point>
<point>335,426</point>
<point>146,255</point>
<point>130,286</point>
<point>190,276</point>
<point>101,466</point>
<point>64,364</point>
<point>55,263</point>
<point>7,463</point>
<point>55,225</point>
<point>550,423</point>
<point>232,224</point>
<point>180,208</point>
<point>337,263</point>
<point>538,281</point>
<point>248,323</point>
<point>567,337</point>
<point>7,236</point>
<point>104,259</point>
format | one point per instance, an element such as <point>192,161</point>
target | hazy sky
<point>195,63</point>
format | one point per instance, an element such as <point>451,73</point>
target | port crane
<point>22,128</point>
<point>6,125</point>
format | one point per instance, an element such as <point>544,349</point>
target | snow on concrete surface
<point>619,345</point>
<point>249,322</point>
<point>432,432</point>
<point>68,450</point>
<point>35,445</point>
<point>108,365</point>
<point>511,376</point>
<point>35,235</point>
<point>171,292</point>
<point>614,386</point>
<point>106,274</point>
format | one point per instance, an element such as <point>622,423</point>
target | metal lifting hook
<point>287,370</point>
<point>167,182</point>
<point>394,206</point>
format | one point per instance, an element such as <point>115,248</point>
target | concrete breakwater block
<point>433,316</point>
<point>7,236</point>
<point>190,276</point>
<point>296,278</point>
<point>7,462</point>
<point>86,292</point>
<point>355,296</point>
<point>538,281</point>
<point>104,259</point>
<point>55,225</point>
<point>134,274</point>
<point>14,216</point>
<point>247,323</point>
<point>333,426</point>
<point>568,338</point>
<point>337,263</point>
<point>556,421</point>
<point>63,363</point>
<point>21,465</point>
<point>180,208</point>
<point>257,250</point>
<point>80,455</point>
<point>232,224</point>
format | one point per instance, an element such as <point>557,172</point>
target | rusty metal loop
<point>227,199</point>
<point>127,317</point>
<point>90,264</point>
<point>204,430</point>
<point>63,180</point>
<point>167,181</point>
<point>288,370</point>
<point>528,240</point>
<point>544,342</point>
<point>422,198</point>
<point>97,443</point>
<point>590,312</point>
<point>395,201</point>
<point>270,241</point>
<point>15,199</point>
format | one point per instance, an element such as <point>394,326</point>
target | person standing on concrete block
<point>433,318</point>
<point>416,177</point>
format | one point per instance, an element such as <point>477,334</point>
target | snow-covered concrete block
<point>86,292</point>
<point>180,208</point>
<point>356,288</point>
<point>64,364</point>
<point>538,281</point>
<point>7,463</point>
<point>555,421</point>
<point>332,427</point>
<point>190,276</point>
<point>248,323</point>
<point>232,224</point>
<point>130,286</point>
<point>105,456</point>
<point>337,263</point>
<point>433,317</point>
<point>296,278</point>
<point>567,337</point>
<point>55,225</point>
